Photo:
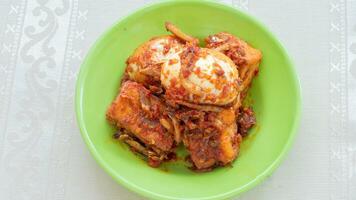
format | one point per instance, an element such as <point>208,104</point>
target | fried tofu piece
<point>211,138</point>
<point>138,111</point>
<point>245,57</point>
<point>229,140</point>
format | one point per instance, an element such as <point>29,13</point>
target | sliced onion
<point>177,129</point>
<point>166,124</point>
<point>180,34</point>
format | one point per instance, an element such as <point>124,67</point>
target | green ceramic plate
<point>275,94</point>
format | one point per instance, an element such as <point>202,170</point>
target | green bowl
<point>275,97</point>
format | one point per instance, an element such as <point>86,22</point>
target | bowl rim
<point>142,191</point>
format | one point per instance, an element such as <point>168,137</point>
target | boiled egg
<point>200,76</point>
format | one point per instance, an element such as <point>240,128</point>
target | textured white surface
<point>42,44</point>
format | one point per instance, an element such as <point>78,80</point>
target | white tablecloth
<point>42,44</point>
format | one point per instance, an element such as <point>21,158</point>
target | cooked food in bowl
<point>175,92</point>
